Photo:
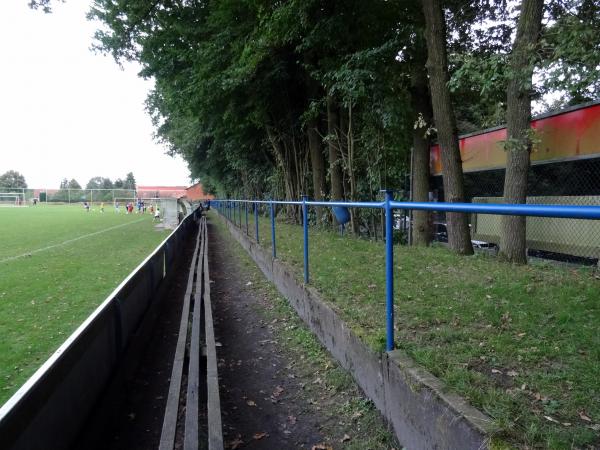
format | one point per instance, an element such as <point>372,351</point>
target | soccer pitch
<point>57,264</point>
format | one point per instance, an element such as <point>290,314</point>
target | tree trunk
<point>286,162</point>
<point>421,104</point>
<point>513,243</point>
<point>347,153</point>
<point>317,161</point>
<point>335,162</point>
<point>459,237</point>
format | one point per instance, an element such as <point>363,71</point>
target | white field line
<point>12,258</point>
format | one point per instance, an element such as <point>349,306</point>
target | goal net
<point>148,204</point>
<point>12,199</point>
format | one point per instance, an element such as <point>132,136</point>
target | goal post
<point>12,199</point>
<point>148,202</point>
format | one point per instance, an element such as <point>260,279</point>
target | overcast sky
<point>66,112</point>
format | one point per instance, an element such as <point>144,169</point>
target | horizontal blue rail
<point>229,208</point>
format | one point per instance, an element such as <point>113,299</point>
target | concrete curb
<point>417,405</point>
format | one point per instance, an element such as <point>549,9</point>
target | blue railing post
<point>256,219</point>
<point>246,208</point>
<point>305,230</point>
<point>389,269</point>
<point>273,229</point>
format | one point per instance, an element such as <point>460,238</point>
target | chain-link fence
<point>574,182</point>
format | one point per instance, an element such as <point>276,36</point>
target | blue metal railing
<point>227,209</point>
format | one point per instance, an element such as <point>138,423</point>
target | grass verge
<point>45,295</point>
<point>519,342</point>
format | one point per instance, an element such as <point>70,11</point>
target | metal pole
<point>69,195</point>
<point>256,220</point>
<point>246,208</point>
<point>410,196</point>
<point>389,269</point>
<point>305,230</point>
<point>273,229</point>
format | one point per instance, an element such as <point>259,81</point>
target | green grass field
<point>57,264</point>
<point>519,342</point>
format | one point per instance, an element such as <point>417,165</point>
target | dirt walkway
<point>279,389</point>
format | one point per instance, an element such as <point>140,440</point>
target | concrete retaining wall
<point>410,398</point>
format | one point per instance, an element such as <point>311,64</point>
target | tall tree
<point>459,237</point>
<point>518,117</point>
<point>12,179</point>
<point>333,145</point>
<point>73,184</point>
<point>94,183</point>
<point>421,103</point>
<point>129,182</point>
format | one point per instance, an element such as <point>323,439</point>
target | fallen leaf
<point>567,424</point>
<point>278,391</point>
<point>236,443</point>
<point>249,283</point>
<point>258,436</point>
<point>584,416</point>
<point>250,403</point>
<point>346,438</point>
<point>595,427</point>
<point>322,447</point>
<point>512,373</point>
<point>550,419</point>
<point>496,371</point>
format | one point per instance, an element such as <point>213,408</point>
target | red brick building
<point>196,192</point>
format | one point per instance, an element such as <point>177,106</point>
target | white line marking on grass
<point>11,258</point>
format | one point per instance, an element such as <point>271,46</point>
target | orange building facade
<point>196,192</point>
